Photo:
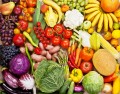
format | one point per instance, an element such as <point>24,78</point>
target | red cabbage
<point>19,64</point>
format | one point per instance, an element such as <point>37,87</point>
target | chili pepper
<point>86,53</point>
<point>76,75</point>
<point>37,50</point>
<point>70,65</point>
<point>29,57</point>
<point>116,86</point>
<point>29,38</point>
<point>72,59</point>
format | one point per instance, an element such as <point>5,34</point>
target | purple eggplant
<point>10,79</point>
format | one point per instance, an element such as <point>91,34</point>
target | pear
<point>7,8</point>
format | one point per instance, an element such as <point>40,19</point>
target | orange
<point>109,5</point>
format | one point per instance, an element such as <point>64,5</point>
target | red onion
<point>78,88</point>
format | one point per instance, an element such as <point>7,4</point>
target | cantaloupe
<point>104,62</point>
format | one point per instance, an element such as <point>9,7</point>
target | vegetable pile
<point>60,47</point>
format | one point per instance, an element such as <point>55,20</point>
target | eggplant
<point>10,79</point>
<point>10,90</point>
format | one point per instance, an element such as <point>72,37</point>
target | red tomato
<point>58,28</point>
<point>37,50</point>
<point>56,40</point>
<point>86,66</point>
<point>65,43</point>
<point>49,32</point>
<point>67,33</point>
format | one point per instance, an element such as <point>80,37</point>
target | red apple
<point>44,8</point>
<point>86,66</point>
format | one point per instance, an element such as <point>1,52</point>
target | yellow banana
<point>113,17</point>
<point>93,2</point>
<point>110,21</point>
<point>54,6</point>
<point>105,22</point>
<point>91,10</point>
<point>91,5</point>
<point>86,16</point>
<point>95,20</point>
<point>100,23</point>
<point>92,14</point>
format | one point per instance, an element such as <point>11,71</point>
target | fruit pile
<point>60,47</point>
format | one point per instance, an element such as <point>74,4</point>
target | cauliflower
<point>73,19</point>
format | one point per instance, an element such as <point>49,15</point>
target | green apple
<point>86,24</point>
<point>116,26</point>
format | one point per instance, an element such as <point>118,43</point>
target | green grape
<point>82,3</point>
<point>77,4</point>
<point>59,3</point>
<point>65,1</point>
<point>74,5</point>
<point>79,1</point>
<point>81,9</point>
<point>56,0</point>
<point>68,3</point>
<point>60,0</point>
<point>86,2</point>
<point>77,7</point>
<point>74,0</point>
<point>62,3</point>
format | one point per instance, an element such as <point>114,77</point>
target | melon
<point>104,62</point>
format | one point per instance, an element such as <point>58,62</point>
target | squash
<point>104,62</point>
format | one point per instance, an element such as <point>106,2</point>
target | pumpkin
<point>109,5</point>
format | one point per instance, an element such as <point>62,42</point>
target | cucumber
<point>71,88</point>
<point>65,86</point>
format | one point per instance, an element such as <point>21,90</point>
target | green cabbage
<point>49,76</point>
<point>93,82</point>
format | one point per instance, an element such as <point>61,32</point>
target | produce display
<point>59,47</point>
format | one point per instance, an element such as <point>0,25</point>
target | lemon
<point>116,34</point>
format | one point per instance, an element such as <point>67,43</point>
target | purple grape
<point>16,1</point>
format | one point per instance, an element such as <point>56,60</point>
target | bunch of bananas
<point>95,14</point>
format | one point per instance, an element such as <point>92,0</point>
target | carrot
<point>72,46</point>
<point>79,61</point>
<point>65,8</point>
<point>78,53</point>
<point>69,48</point>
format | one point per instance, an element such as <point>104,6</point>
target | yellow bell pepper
<point>76,75</point>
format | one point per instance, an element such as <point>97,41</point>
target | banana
<point>91,10</point>
<point>91,6</point>
<point>95,20</point>
<point>100,23</point>
<point>105,22</point>
<point>92,14</point>
<point>86,16</point>
<point>113,17</point>
<point>110,21</point>
<point>54,6</point>
<point>93,2</point>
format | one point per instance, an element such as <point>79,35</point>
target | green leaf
<point>36,16</point>
<point>33,35</point>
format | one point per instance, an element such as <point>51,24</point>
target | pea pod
<point>29,38</point>
<point>71,88</point>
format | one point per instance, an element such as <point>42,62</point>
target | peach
<point>44,8</point>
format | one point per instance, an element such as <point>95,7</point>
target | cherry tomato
<point>49,32</point>
<point>67,33</point>
<point>65,43</point>
<point>37,50</point>
<point>56,40</point>
<point>58,28</point>
<point>86,66</point>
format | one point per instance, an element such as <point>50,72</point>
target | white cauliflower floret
<point>73,19</point>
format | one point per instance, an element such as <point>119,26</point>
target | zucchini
<point>71,88</point>
<point>65,86</point>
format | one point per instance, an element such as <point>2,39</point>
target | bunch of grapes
<point>7,26</point>
<point>73,4</point>
<point>6,1</point>
<point>40,34</point>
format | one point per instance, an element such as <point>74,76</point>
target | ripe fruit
<point>58,28</point>
<point>17,10</point>
<point>67,33</point>
<point>114,42</point>
<point>56,40</point>
<point>44,8</point>
<point>107,36</point>
<point>65,43</point>
<point>86,67</point>
<point>86,24</point>
<point>116,34</point>
<point>116,26</point>
<point>109,5</point>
